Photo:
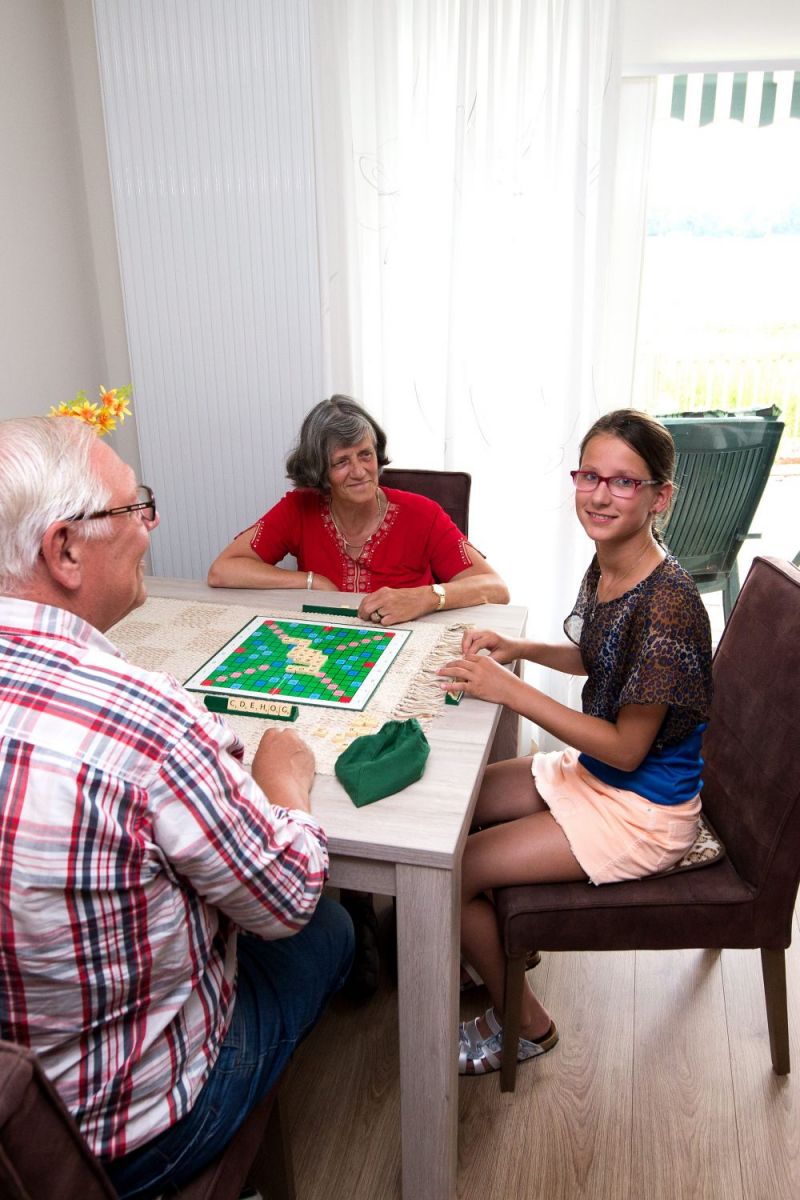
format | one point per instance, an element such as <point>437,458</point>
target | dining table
<point>408,846</point>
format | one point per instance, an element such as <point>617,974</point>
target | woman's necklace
<point>615,584</point>
<point>348,545</point>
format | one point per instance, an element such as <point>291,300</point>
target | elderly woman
<point>349,534</point>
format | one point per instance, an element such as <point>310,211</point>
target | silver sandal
<point>468,1034</point>
<point>479,1056</point>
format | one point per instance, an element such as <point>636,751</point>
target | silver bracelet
<point>310,581</point>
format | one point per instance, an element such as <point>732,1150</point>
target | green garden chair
<point>723,464</point>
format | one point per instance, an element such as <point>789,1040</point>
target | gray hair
<point>340,421</point>
<point>45,476</point>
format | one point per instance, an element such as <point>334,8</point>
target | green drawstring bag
<point>381,763</point>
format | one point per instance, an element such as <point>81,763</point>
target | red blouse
<point>416,542</point>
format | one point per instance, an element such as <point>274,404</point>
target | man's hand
<point>283,767</point>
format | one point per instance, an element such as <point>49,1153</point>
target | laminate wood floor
<point>661,1086</point>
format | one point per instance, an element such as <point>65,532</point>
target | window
<point>719,309</point>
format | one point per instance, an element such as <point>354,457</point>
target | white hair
<point>45,476</point>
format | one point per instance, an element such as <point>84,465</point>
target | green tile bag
<point>381,763</point>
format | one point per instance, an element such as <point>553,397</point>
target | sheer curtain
<point>461,149</point>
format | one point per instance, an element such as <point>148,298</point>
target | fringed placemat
<point>178,636</point>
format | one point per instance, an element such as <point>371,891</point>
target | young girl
<point>625,801</point>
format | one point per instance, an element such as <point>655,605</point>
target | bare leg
<point>507,791</point>
<point>529,848</point>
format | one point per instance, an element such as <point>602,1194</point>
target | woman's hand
<point>392,606</point>
<point>501,649</point>
<point>482,678</point>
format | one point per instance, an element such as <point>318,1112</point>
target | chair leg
<point>512,1016</point>
<point>773,970</point>
<point>272,1169</point>
<point>729,592</point>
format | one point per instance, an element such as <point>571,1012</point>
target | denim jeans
<point>282,989</point>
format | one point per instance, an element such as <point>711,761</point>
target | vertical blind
<point>208,119</point>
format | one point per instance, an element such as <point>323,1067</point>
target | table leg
<point>427,966</point>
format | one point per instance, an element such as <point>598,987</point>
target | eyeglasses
<point>621,486</point>
<point>145,504</point>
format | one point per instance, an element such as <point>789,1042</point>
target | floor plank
<point>768,1105</point>
<point>685,1133</point>
<point>661,1085</point>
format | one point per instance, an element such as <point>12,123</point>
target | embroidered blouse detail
<point>415,544</point>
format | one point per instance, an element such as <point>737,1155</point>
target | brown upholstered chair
<point>752,798</point>
<point>450,489</point>
<point>44,1157</point>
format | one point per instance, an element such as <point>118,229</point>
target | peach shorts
<point>614,834</point>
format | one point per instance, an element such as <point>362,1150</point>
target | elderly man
<point>164,941</point>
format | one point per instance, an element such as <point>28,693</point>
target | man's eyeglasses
<point>145,504</point>
<point>621,486</point>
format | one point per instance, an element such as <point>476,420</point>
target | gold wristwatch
<point>440,592</point>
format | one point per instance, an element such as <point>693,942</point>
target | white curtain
<point>462,148</point>
<point>626,229</point>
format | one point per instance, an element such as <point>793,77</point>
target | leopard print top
<point>651,645</point>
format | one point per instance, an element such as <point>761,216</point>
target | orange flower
<point>85,412</point>
<point>105,422</point>
<point>115,401</point>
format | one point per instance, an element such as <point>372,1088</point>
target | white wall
<point>709,31</point>
<point>61,321</point>
<point>209,127</point>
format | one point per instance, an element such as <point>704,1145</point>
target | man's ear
<point>62,554</point>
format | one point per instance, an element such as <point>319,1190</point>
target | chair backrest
<point>42,1153</point>
<point>450,489</point>
<point>752,780</point>
<point>722,468</point>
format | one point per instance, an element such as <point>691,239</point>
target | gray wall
<point>61,315</point>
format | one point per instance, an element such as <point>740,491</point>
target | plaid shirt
<point>132,844</point>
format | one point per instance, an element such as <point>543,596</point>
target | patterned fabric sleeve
<point>668,655</point>
<point>573,624</point>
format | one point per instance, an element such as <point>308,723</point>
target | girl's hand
<point>501,649</point>
<point>483,678</point>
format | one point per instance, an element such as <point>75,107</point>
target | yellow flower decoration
<point>104,422</point>
<point>115,402</point>
<point>102,417</point>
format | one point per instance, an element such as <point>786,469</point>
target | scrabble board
<point>318,663</point>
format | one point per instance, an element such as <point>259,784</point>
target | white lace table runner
<point>177,636</point>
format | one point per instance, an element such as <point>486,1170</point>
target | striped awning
<point>753,97</point>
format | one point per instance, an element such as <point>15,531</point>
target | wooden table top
<point>426,823</point>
